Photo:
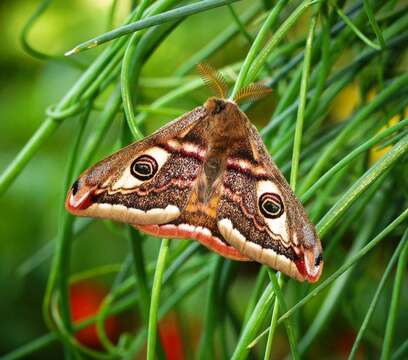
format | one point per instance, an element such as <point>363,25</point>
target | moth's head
<point>216,106</point>
<point>215,81</point>
<point>287,221</point>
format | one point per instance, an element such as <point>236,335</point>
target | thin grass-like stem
<point>276,284</point>
<point>153,20</point>
<point>348,264</point>
<point>155,298</point>
<point>376,296</point>
<point>256,46</point>
<point>395,302</point>
<point>302,104</point>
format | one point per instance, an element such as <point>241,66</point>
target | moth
<point>206,176</point>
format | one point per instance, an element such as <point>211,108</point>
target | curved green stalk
<point>42,7</point>
<point>257,317</point>
<point>260,60</point>
<point>60,267</point>
<point>339,287</point>
<point>171,15</point>
<point>359,186</point>
<point>347,265</point>
<point>351,156</point>
<point>376,296</point>
<point>374,24</point>
<point>277,284</point>
<point>154,304</point>
<point>217,43</point>
<point>361,115</point>
<point>302,104</point>
<point>395,301</point>
<point>355,29</point>
<point>256,46</point>
<point>206,347</point>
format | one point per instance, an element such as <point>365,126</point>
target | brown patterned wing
<point>147,182</point>
<point>260,216</point>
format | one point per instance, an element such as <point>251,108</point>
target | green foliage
<point>349,167</point>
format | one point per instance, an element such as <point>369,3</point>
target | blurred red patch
<point>344,344</point>
<point>85,300</point>
<point>171,338</point>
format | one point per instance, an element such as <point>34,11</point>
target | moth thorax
<point>215,105</point>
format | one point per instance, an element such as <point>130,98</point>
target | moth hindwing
<point>205,176</point>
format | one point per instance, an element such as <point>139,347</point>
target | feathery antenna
<point>213,79</point>
<point>252,92</point>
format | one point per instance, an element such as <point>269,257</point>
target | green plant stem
<point>135,241</point>
<point>282,304</point>
<point>323,70</point>
<point>49,126</point>
<point>62,258</point>
<point>171,15</point>
<point>31,347</point>
<point>42,7</point>
<point>291,94</point>
<point>218,42</point>
<point>66,219</point>
<point>256,46</point>
<point>339,287</point>
<point>271,333</point>
<point>362,114</point>
<point>374,24</point>
<point>359,186</point>
<point>118,291</point>
<point>348,264</point>
<point>130,302</point>
<point>106,119</point>
<point>44,253</point>
<point>178,93</point>
<point>260,60</point>
<point>154,304</point>
<point>302,104</point>
<point>137,52</point>
<point>355,29</point>
<point>256,292</point>
<point>125,304</point>
<point>395,300</point>
<point>254,322</point>
<point>351,156</point>
<point>191,284</point>
<point>206,347</point>
<point>293,177</point>
<point>240,25</point>
<point>339,78</point>
<point>401,351</point>
<point>376,296</point>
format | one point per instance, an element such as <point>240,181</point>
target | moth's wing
<point>281,236</point>
<point>147,182</point>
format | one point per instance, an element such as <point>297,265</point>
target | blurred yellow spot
<point>372,93</point>
<point>345,102</point>
<point>376,152</point>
